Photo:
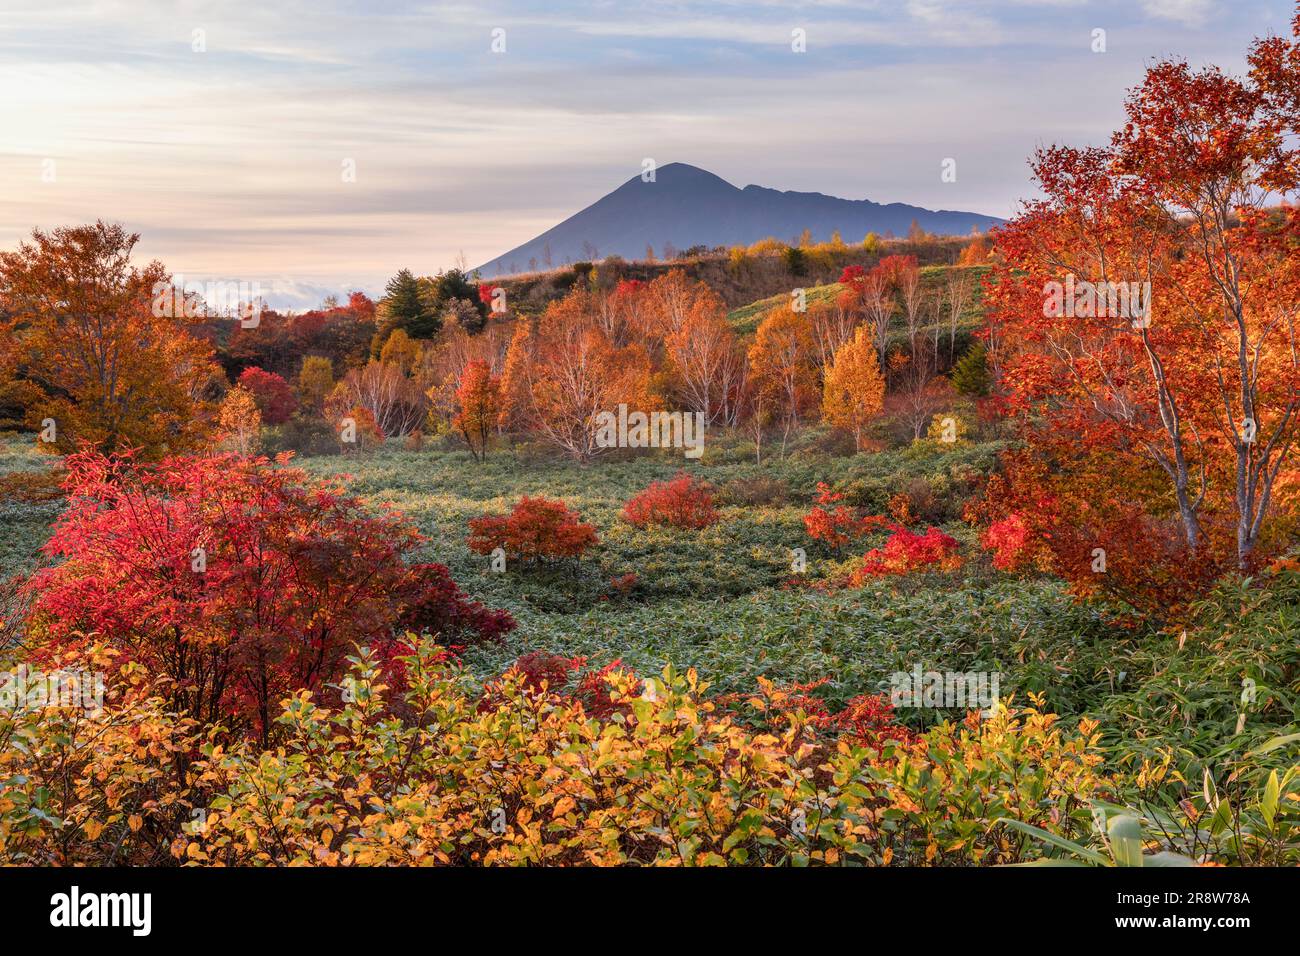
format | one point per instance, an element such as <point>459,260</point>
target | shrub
<point>569,677</point>
<point>554,763</point>
<point>1011,542</point>
<point>537,529</point>
<point>239,581</point>
<point>274,396</point>
<point>358,430</point>
<point>907,551</point>
<point>835,526</point>
<point>83,786</point>
<point>682,502</point>
<point>302,434</point>
<point>530,775</point>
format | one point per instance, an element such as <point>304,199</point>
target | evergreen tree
<point>402,307</point>
<point>970,376</point>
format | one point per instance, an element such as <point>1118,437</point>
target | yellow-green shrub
<point>96,789</point>
<point>667,780</point>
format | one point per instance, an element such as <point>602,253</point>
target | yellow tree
<point>854,390</point>
<point>315,381</point>
<point>240,422</point>
<point>400,350</point>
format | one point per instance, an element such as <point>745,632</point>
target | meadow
<point>724,600</point>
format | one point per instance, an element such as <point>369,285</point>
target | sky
<point>311,148</point>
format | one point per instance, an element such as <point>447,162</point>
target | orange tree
<point>783,368</point>
<point>479,398</point>
<point>104,352</point>
<point>563,370</point>
<point>1144,321</point>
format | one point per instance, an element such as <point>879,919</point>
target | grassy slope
<point>746,318</point>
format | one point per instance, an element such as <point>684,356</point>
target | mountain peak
<point>685,206</point>
<point>681,176</point>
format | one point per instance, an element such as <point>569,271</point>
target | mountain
<point>688,206</point>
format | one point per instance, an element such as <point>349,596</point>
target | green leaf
<point>1268,806</point>
<point>1125,840</point>
<point>1059,842</point>
<point>1273,743</point>
<point>1166,859</point>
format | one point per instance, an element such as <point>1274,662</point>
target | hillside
<point>746,318</point>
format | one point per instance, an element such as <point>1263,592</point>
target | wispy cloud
<point>225,131</point>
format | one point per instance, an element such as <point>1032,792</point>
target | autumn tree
<point>871,293</point>
<point>707,364</point>
<point>974,253</point>
<point>782,361</point>
<point>562,372</point>
<point>103,345</point>
<point>315,381</point>
<point>1174,354</point>
<point>833,324</point>
<point>400,350</point>
<point>854,389</point>
<point>479,401</point>
<point>673,299</point>
<point>274,396</point>
<point>396,402</point>
<point>240,422</point>
<point>955,304</point>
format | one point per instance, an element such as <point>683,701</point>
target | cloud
<point>1192,13</point>
<point>229,162</point>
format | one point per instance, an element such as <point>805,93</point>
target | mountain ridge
<point>686,206</point>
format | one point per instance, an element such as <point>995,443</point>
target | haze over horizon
<point>230,160</point>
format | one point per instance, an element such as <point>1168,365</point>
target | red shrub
<point>839,525</point>
<point>906,551</point>
<point>537,528</point>
<point>624,584</point>
<point>870,718</point>
<point>680,503</point>
<point>240,581</point>
<point>1010,541</point>
<point>274,396</point>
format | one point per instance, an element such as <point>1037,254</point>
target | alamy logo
<point>24,688</point>
<point>190,300</point>
<point>653,430</point>
<point>955,689</point>
<point>1099,300</point>
<point>74,908</point>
